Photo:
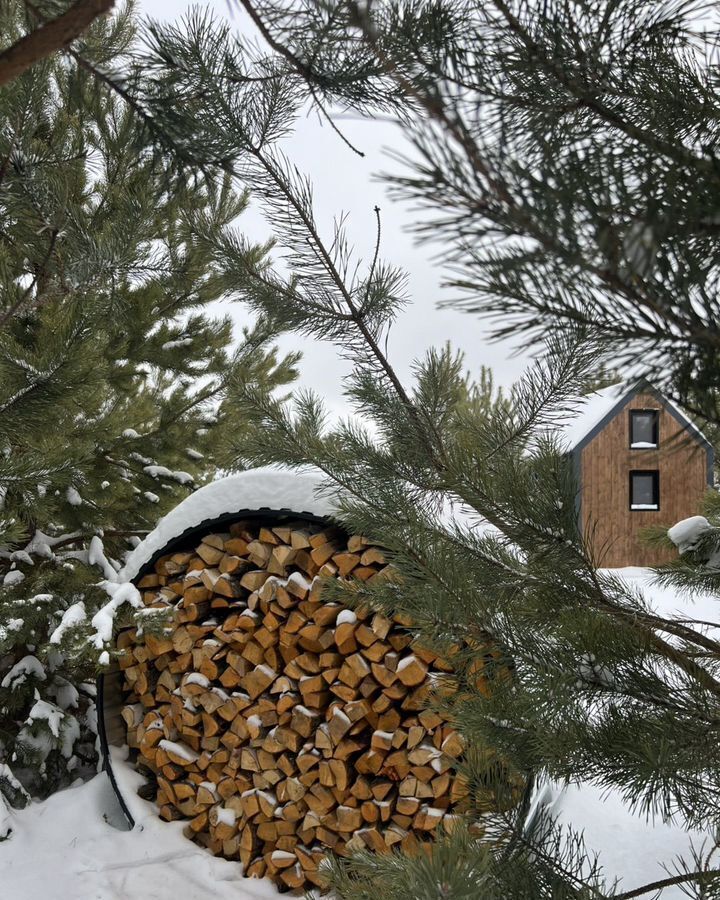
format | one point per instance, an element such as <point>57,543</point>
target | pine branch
<point>301,68</point>
<point>674,151</point>
<point>701,878</point>
<point>525,223</point>
<point>521,219</point>
<point>327,261</point>
<point>20,303</point>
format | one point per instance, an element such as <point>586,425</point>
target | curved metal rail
<point>108,684</point>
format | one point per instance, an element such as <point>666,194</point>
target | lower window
<point>645,489</point>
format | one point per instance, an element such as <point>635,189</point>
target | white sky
<point>343,182</point>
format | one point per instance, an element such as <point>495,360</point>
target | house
<point>639,461</point>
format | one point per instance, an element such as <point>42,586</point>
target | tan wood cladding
<point>605,466</point>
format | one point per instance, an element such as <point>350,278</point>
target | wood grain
<point>613,529</point>
<point>280,726</point>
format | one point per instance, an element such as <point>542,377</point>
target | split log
<point>278,726</point>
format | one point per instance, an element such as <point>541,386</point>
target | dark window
<point>643,429</point>
<point>645,490</point>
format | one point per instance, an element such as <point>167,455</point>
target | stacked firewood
<point>281,726</point>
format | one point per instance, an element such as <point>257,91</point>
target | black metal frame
<point>656,426</point>
<point>176,544</point>
<point>656,488</point>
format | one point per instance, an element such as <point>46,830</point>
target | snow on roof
<point>255,489</point>
<point>594,409</point>
<point>601,403</point>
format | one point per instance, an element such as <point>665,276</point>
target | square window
<point>643,429</point>
<point>645,490</point>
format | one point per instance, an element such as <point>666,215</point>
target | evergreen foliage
<point>474,501</point>
<point>565,156</point>
<point>114,375</point>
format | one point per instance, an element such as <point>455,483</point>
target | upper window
<point>643,429</point>
<point>645,490</point>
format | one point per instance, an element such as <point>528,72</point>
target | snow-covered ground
<point>630,848</point>
<point>74,846</point>
<point>71,847</point>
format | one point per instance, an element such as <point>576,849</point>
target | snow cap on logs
<point>251,491</point>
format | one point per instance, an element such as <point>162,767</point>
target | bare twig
<point>302,68</point>
<point>376,254</point>
<point>701,877</point>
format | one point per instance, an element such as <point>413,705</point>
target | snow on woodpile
<point>255,489</point>
<point>262,489</point>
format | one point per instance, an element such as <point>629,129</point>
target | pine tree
<point>475,501</point>
<point>565,155</point>
<point>114,377</point>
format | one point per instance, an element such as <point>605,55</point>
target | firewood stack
<point>280,726</point>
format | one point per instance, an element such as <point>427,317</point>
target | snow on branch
<point>162,472</point>
<point>96,557</point>
<point>73,615</point>
<point>104,618</point>
<point>28,665</point>
<point>686,533</point>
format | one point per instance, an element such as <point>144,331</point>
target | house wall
<point>605,464</point>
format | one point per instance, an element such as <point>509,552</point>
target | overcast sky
<point>343,182</point>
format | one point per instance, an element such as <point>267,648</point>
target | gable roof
<point>602,406</point>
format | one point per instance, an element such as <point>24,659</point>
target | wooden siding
<point>605,464</point>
